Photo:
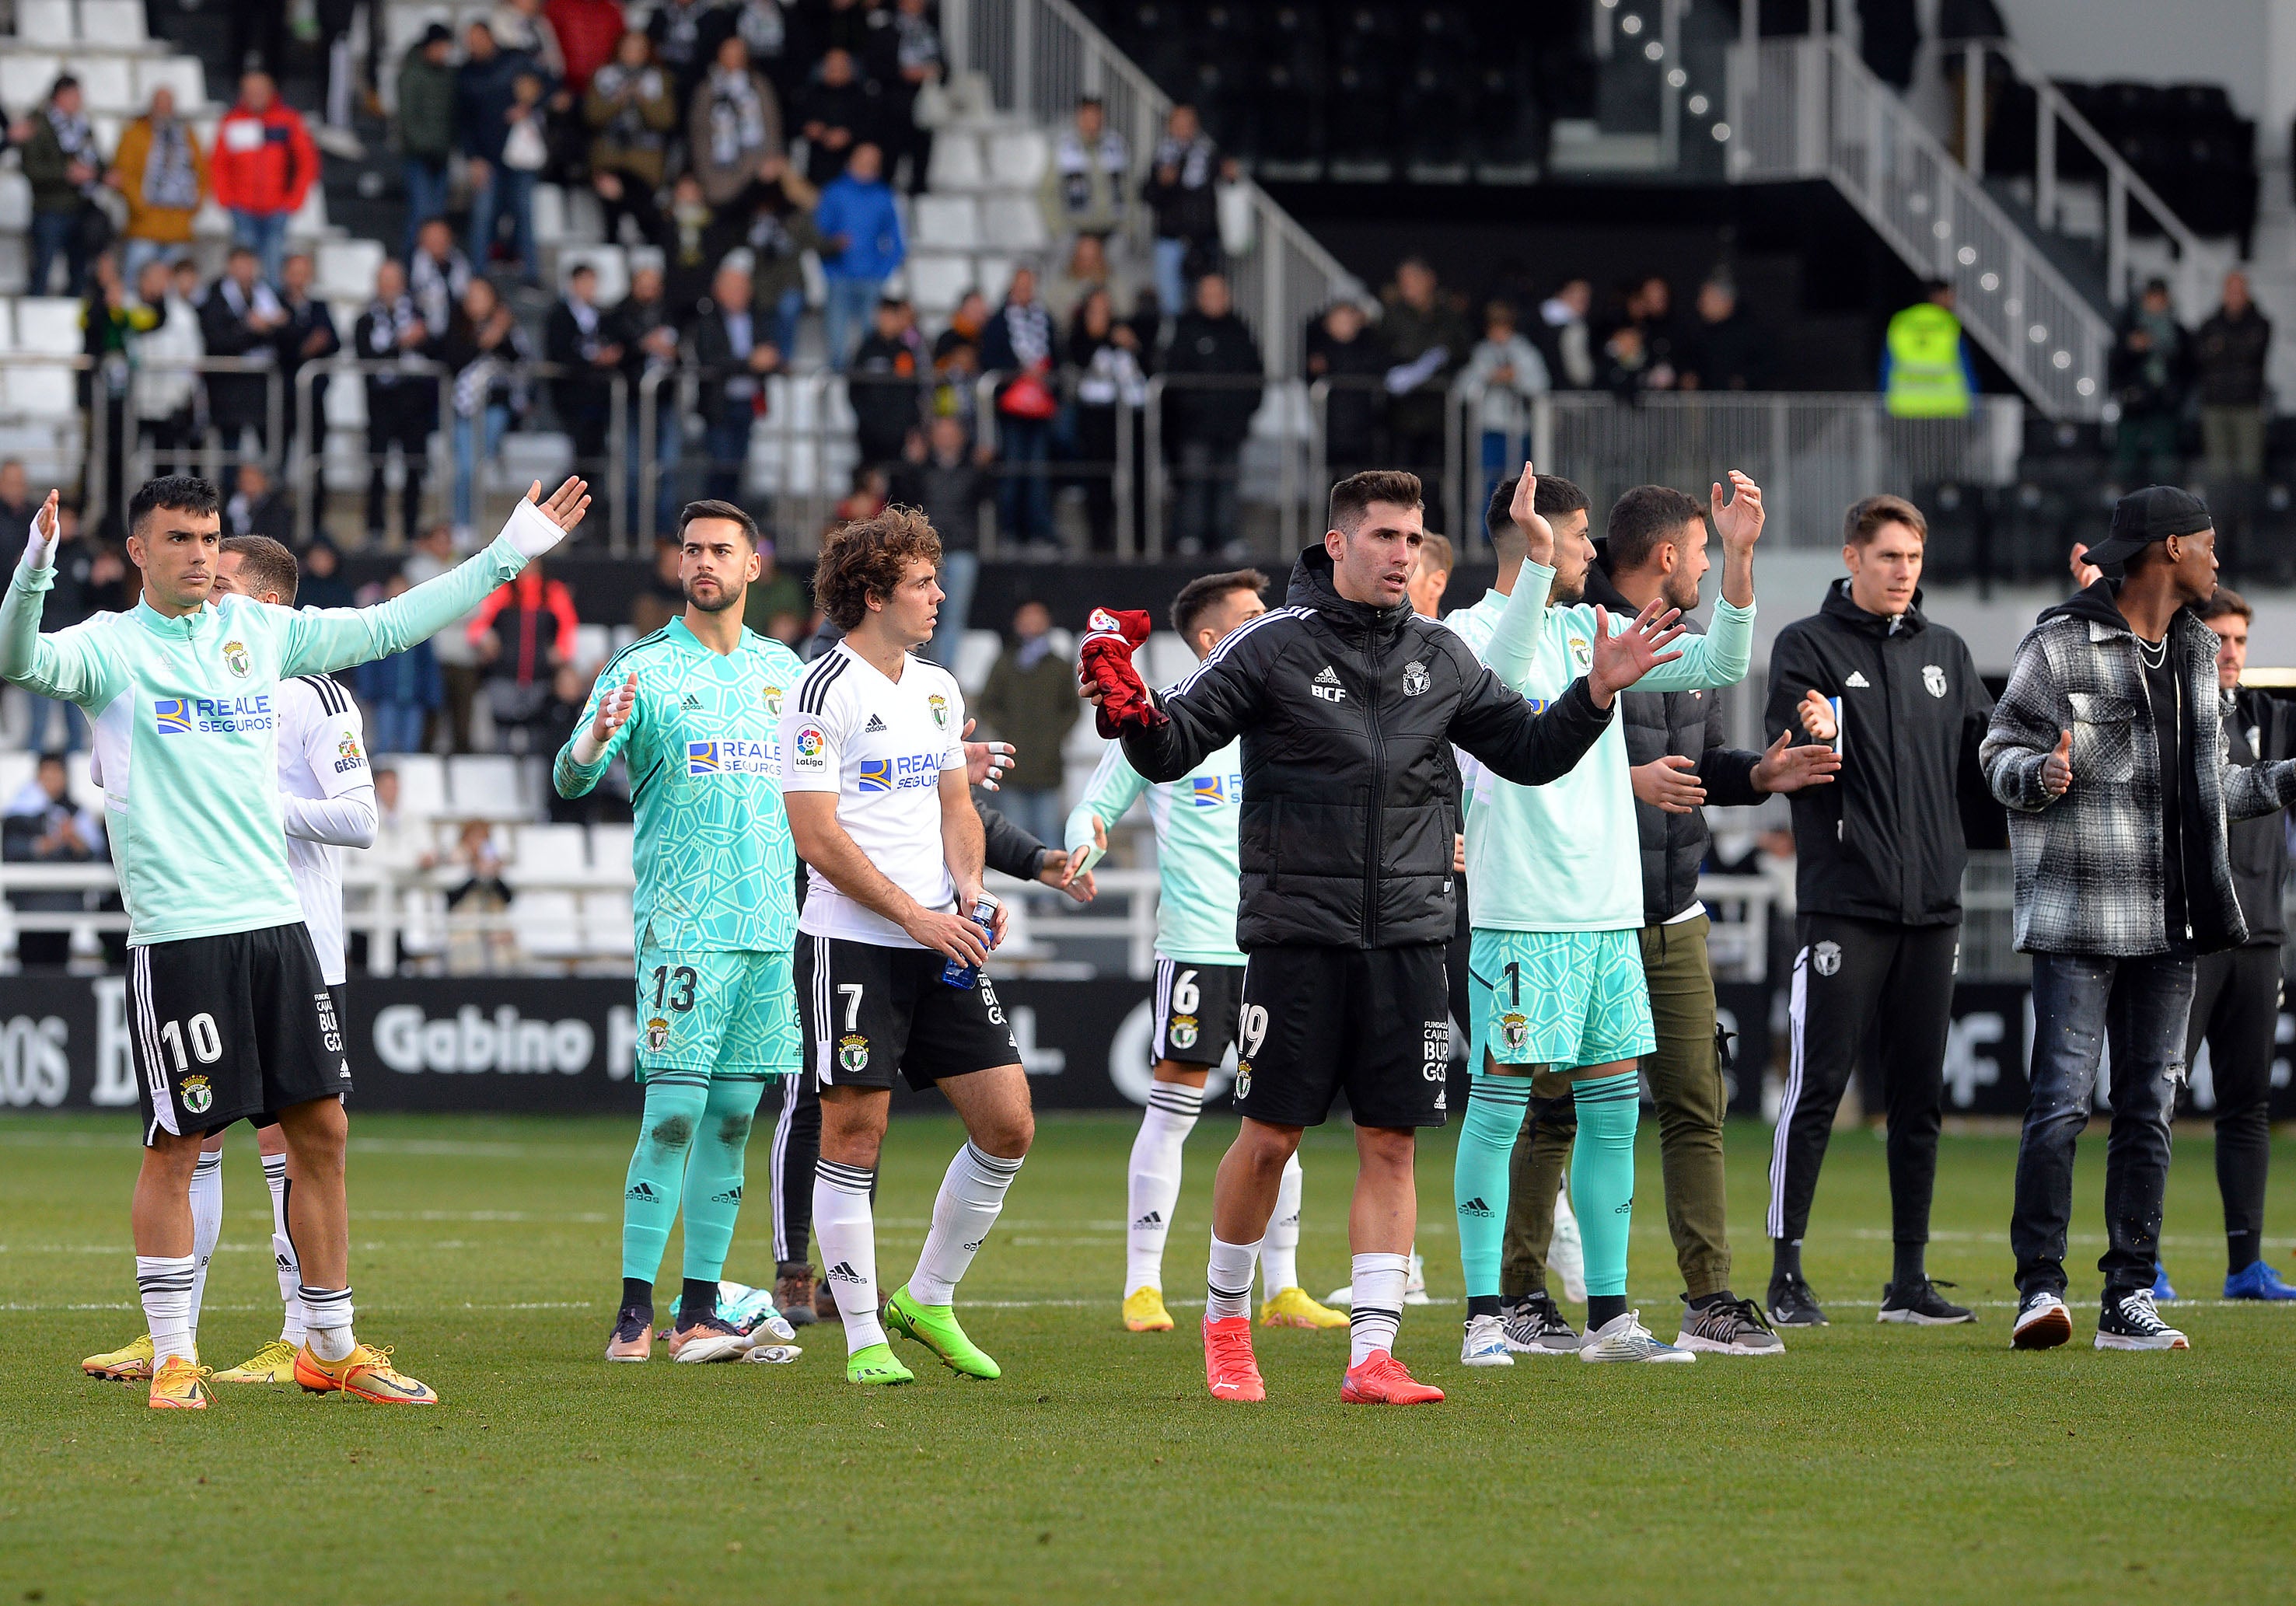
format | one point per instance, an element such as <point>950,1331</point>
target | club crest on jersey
<point>1514,1033</point>
<point>1415,679</point>
<point>348,755</point>
<point>1183,1031</point>
<point>1244,1078</point>
<point>1581,653</point>
<point>198,1096</point>
<point>1827,957</point>
<point>939,705</point>
<point>657,1034</point>
<point>236,659</point>
<point>1933,679</point>
<point>853,1055</point>
<point>773,701</point>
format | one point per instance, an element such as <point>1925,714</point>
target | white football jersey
<point>321,756</point>
<point>881,745</point>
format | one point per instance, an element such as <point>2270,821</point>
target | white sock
<point>283,1249</point>
<point>971,1197</point>
<point>1279,1252</point>
<point>327,1312</point>
<point>1227,1280</point>
<point>1377,1309</point>
<point>848,1233</point>
<point>165,1281</point>
<point>206,1226</point>
<point>1154,1188</point>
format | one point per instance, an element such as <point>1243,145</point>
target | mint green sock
<point>1495,1108</point>
<point>657,1175</point>
<point>1602,1176</point>
<point>713,1177</point>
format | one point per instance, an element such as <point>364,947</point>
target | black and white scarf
<point>1030,330</point>
<point>242,303</point>
<point>76,138</point>
<point>438,286</point>
<point>1193,158</point>
<point>628,127</point>
<point>916,42</point>
<point>681,31</point>
<point>169,179</point>
<point>737,116</point>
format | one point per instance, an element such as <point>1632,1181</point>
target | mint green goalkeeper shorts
<point>716,1016</point>
<point>1559,998</point>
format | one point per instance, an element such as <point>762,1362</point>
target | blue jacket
<point>411,677</point>
<point>863,213</point>
<point>482,95</point>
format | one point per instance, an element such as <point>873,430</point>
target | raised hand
<point>1784,768</point>
<point>1739,520</point>
<point>614,711</point>
<point>40,545</point>
<point>1076,871</point>
<point>1817,716</point>
<point>2057,768</point>
<point>1538,535</point>
<point>1619,660</point>
<point>1670,783</point>
<point>985,762</point>
<point>567,503</point>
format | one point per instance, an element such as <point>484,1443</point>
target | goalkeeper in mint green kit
<point>1555,881</point>
<point>696,710</point>
<point>1199,974</point>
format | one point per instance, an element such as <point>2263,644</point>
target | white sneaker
<point>1414,1283</point>
<point>1626,1339</point>
<point>1566,1257</point>
<point>2043,1322</point>
<point>1344,1294</point>
<point>1485,1344</point>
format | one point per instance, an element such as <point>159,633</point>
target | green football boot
<point>876,1365</point>
<point>935,1327</point>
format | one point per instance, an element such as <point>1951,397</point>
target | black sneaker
<point>2128,1322</point>
<point>1534,1325</point>
<point>2042,1322</point>
<point>1792,1303</point>
<point>1921,1305</point>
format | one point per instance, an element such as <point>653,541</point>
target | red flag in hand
<point>1104,659</point>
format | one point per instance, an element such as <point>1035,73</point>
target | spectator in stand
<point>692,234</point>
<point>263,165</point>
<point>734,125</point>
<point>524,633</point>
<point>632,116</point>
<point>1018,344</point>
<point>1207,423</point>
<point>1628,370</point>
<point>941,476</point>
<point>16,503</point>
<point>402,691</point>
<point>437,276</point>
<point>167,391</point>
<point>1180,193</point>
<point>1724,351</point>
<point>322,585</point>
<point>486,92</point>
<point>577,338</point>
<point>45,825</point>
<point>63,166</point>
<point>1502,376</point>
<point>521,28</point>
<point>241,318</point>
<point>1426,341</point>
<point>2229,356</point>
<point>685,35</point>
<point>845,24</point>
<point>402,407</point>
<point>1110,364</point>
<point>1086,270</point>
<point>956,367</point>
<point>1565,339</point>
<point>457,655</point>
<point>257,30</point>
<point>1344,349</point>
<point>735,358</point>
<point>1030,702</point>
<point>884,385</point>
<point>426,126</point>
<point>256,508</point>
<point>525,153</point>
<point>763,26</point>
<point>110,322</point>
<point>840,114</point>
<point>589,33</point>
<point>645,327</point>
<point>1084,186</point>
<point>483,347</point>
<point>861,229</point>
<point>308,334</point>
<point>2147,376</point>
<point>1650,308</point>
<point>162,175</point>
<point>905,56</point>
<point>775,603</point>
<point>780,232</point>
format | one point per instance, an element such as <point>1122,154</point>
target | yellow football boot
<point>274,1363</point>
<point>129,1364</point>
<point>366,1373</point>
<point>1291,1308</point>
<point>1144,1311</point>
<point>181,1384</point>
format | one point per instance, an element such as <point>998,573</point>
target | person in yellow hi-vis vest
<point>1926,371</point>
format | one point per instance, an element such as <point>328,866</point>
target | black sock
<point>1785,1258</point>
<point>1911,1268</point>
<point>1482,1304</point>
<point>637,1294</point>
<point>2241,1250</point>
<point>698,1298</point>
<point>1603,1308</point>
<point>1704,1300</point>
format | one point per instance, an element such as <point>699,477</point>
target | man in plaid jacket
<point>2107,749</point>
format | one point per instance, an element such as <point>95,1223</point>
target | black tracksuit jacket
<point>2259,728</point>
<point>1348,713</point>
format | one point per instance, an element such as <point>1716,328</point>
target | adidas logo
<point>1329,677</point>
<point>974,1245</point>
<point>842,1272</point>
<point>642,1190</point>
<point>1154,1218</point>
<point>1326,686</point>
<point>732,1196</point>
<point>1476,1207</point>
<point>692,701</point>
<point>1859,681</point>
<point>874,724</point>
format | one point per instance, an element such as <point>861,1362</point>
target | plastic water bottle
<point>968,976</point>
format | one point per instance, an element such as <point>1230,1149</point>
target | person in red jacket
<point>263,165</point>
<point>524,632</point>
<point>589,30</point>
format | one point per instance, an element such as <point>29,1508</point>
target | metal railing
<point>1808,108</point>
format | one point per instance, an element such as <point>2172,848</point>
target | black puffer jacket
<point>2259,728</point>
<point>1348,713</point>
<point>1688,723</point>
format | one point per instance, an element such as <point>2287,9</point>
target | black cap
<point>2152,514</point>
<point>436,34</point>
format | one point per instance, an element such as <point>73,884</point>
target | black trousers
<point>412,436</point>
<point>1864,985</point>
<point>797,1145</point>
<point>2236,1010</point>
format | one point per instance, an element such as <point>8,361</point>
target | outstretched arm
<point>1204,712</point>
<point>69,664</point>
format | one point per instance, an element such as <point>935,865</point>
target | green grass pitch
<point>1869,1463</point>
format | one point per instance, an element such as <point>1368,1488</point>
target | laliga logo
<point>1103,619</point>
<point>809,742</point>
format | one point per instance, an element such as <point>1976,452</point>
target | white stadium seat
<point>955,163</point>
<point>613,266</point>
<point>551,853</point>
<point>950,223</point>
<point>15,202</point>
<point>606,922</point>
<point>345,268</point>
<point>547,923</point>
<point>48,326</point>
<point>46,23</point>
<point>16,770</point>
<point>1017,158</point>
<point>610,855</point>
<point>25,77</point>
<point>937,283</point>
<point>112,24</point>
<point>182,74</point>
<point>106,84</point>
<point>421,782</point>
<point>485,786</point>
<point>1013,222</point>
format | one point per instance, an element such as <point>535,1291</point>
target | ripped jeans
<point>2083,1004</point>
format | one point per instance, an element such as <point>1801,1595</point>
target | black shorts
<point>1375,1022</point>
<point>1195,1010</point>
<point>868,1008</point>
<point>233,1028</point>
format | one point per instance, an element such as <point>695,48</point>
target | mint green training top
<point>717,869</point>
<point>1196,866</point>
<point>1474,624</point>
<point>186,714</point>
<point>1567,857</point>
